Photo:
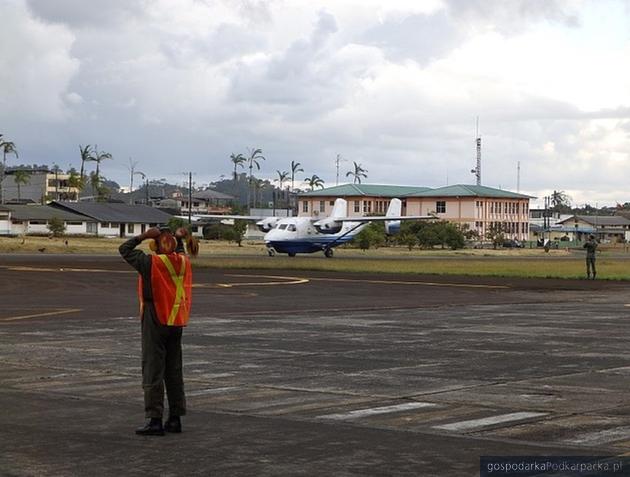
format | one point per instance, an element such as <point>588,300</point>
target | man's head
<point>591,237</point>
<point>164,243</point>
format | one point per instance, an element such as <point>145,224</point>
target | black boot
<point>173,424</point>
<point>153,427</point>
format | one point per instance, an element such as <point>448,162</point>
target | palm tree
<point>86,155</point>
<point>75,182</point>
<point>357,173</point>
<point>99,157</point>
<point>237,160</point>
<point>255,155</point>
<point>315,181</point>
<point>295,168</point>
<point>560,201</point>
<point>21,177</point>
<point>282,176</point>
<point>8,147</point>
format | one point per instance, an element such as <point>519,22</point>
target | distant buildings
<point>41,186</point>
<point>479,208</point>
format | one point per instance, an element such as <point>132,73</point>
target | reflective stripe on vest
<point>178,281</point>
<point>171,290</point>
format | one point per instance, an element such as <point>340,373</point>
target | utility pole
<point>337,161</point>
<point>477,170</point>
<point>189,198</point>
<point>518,177</point>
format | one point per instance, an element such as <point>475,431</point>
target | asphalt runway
<point>307,373</point>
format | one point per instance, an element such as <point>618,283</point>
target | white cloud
<point>393,85</point>
<point>37,66</point>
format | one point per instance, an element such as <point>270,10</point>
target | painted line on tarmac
<point>373,411</point>
<point>287,281</point>
<point>63,269</point>
<point>475,424</point>
<point>62,311</point>
<point>600,437</point>
<point>402,282</point>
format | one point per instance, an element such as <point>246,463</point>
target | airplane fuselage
<point>298,235</point>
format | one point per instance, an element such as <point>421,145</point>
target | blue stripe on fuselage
<point>306,246</point>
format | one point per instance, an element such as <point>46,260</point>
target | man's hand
<point>152,233</point>
<point>181,233</point>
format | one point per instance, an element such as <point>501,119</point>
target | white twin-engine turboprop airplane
<point>293,235</point>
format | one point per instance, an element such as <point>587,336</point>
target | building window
<point>357,206</point>
<point>440,207</point>
<point>322,206</point>
<point>91,227</point>
<point>37,222</point>
<point>304,206</point>
<point>332,202</point>
<point>74,223</point>
<point>130,228</point>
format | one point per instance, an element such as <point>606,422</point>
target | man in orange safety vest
<point>164,291</point>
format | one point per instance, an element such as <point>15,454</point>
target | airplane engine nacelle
<point>328,226</point>
<point>265,225</point>
<point>392,227</point>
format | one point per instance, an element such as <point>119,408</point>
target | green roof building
<point>478,208</point>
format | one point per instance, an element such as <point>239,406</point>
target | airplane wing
<point>252,218</point>
<point>382,218</point>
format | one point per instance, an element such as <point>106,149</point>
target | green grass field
<point>612,264</point>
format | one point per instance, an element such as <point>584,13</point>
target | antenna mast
<point>337,161</point>
<point>518,177</point>
<point>477,170</point>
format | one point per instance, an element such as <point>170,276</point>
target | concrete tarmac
<point>306,373</point>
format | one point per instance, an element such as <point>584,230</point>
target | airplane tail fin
<point>394,210</point>
<point>340,209</point>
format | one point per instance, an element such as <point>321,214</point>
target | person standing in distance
<point>591,248</point>
<point>165,293</point>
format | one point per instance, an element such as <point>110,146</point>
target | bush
<point>371,236</point>
<point>56,227</point>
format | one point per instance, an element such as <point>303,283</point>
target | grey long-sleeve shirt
<point>141,262</point>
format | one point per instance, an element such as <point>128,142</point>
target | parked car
<point>512,244</point>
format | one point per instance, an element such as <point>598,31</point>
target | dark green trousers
<point>590,267</point>
<point>162,367</point>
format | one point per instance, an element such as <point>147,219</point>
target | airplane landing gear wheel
<point>291,254</point>
<point>271,252</point>
<point>328,253</point>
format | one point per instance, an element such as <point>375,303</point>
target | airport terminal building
<point>479,207</point>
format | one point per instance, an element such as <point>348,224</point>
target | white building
<point>35,219</point>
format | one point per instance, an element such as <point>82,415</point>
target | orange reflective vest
<point>171,284</point>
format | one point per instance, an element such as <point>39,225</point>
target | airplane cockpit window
<point>291,228</point>
<point>282,226</point>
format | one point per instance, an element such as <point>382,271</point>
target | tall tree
<point>255,156</point>
<point>315,181</point>
<point>357,174</point>
<point>282,176</point>
<point>86,155</point>
<point>75,182</point>
<point>99,157</point>
<point>21,177</point>
<point>560,201</point>
<point>8,147</point>
<point>295,168</point>
<point>238,160</point>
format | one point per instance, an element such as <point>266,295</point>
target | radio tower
<point>477,170</point>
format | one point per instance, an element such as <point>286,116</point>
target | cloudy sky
<point>395,85</point>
